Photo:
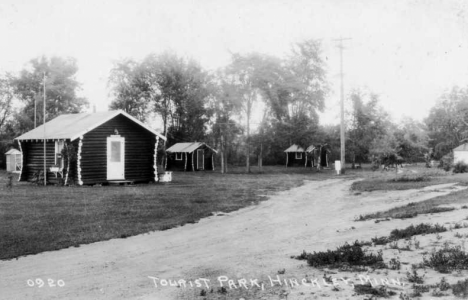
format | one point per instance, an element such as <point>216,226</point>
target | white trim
<point>176,154</point>
<point>297,155</point>
<point>155,166</point>
<point>117,112</point>
<point>78,161</point>
<point>198,159</point>
<point>22,158</point>
<point>193,166</point>
<point>121,140</point>
<point>185,167</point>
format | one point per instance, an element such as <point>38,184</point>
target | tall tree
<point>448,121</point>
<point>61,89</point>
<point>224,106</point>
<point>130,89</point>
<point>368,122</point>
<point>6,100</point>
<point>179,90</point>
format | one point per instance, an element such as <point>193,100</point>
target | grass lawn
<point>411,177</point>
<point>34,218</point>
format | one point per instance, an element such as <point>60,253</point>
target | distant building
<point>14,161</point>
<point>295,156</point>
<point>190,156</point>
<point>460,154</point>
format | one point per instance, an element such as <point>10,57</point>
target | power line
<point>342,127</point>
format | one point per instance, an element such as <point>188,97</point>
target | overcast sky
<point>408,52</point>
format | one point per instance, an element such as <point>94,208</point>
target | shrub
<point>460,167</point>
<point>414,277</point>
<point>411,178</point>
<point>411,230</point>
<point>366,289</point>
<point>446,162</point>
<point>460,289</point>
<point>347,254</point>
<point>383,240</point>
<point>448,259</point>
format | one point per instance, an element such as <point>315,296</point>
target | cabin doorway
<point>115,158</point>
<point>200,159</point>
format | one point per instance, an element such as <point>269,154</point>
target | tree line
<point>250,110</point>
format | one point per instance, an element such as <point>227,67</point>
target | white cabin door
<point>200,159</point>
<point>115,158</point>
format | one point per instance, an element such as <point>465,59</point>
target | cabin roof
<point>462,147</point>
<point>187,147</point>
<point>72,126</point>
<point>13,151</point>
<point>294,148</point>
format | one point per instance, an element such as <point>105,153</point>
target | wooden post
<point>45,141</point>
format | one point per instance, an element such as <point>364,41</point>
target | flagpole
<point>43,120</point>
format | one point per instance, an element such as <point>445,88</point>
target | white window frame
<point>177,157</point>
<point>298,155</point>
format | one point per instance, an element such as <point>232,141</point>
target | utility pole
<point>342,127</point>
<point>43,120</point>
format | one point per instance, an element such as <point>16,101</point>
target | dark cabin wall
<point>139,151</point>
<point>293,162</point>
<point>176,165</point>
<point>33,158</point>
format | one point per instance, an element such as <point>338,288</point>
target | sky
<point>407,52</point>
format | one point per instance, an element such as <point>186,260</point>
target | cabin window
<point>58,154</point>
<point>298,155</point>
<point>178,156</point>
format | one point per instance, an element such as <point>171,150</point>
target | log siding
<point>139,151</point>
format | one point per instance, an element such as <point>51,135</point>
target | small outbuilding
<point>311,156</point>
<point>190,156</point>
<point>460,154</point>
<point>13,160</point>
<point>91,148</point>
<point>295,156</point>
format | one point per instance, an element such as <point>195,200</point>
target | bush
<point>411,230</point>
<point>460,289</point>
<point>448,259</point>
<point>460,167</point>
<point>411,178</point>
<point>347,254</point>
<point>446,162</point>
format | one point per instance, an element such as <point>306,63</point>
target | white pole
<point>45,169</point>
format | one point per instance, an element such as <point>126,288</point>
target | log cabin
<point>190,156</point>
<point>91,148</point>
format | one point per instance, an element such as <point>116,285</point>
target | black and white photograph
<point>244,150</point>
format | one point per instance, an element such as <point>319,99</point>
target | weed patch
<point>460,289</point>
<point>347,254</point>
<point>412,230</point>
<point>367,289</point>
<point>447,259</point>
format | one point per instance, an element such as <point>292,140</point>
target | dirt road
<point>252,243</point>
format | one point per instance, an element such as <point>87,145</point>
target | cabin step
<point>119,182</point>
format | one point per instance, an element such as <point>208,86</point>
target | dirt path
<point>251,243</point>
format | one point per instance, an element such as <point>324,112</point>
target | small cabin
<point>460,154</point>
<point>295,156</point>
<point>91,148</point>
<point>190,156</point>
<point>13,161</point>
